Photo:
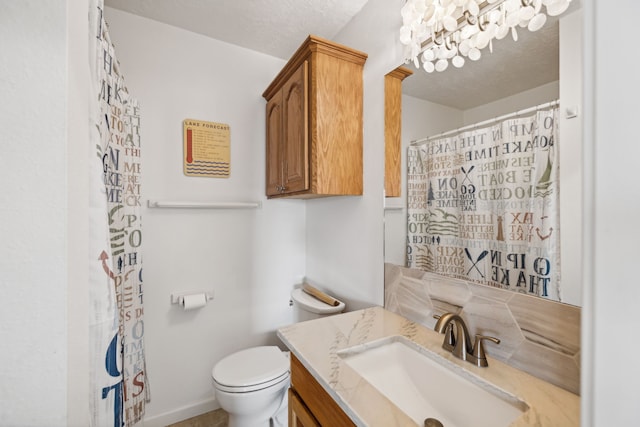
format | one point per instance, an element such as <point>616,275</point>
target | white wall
<point>43,206</point>
<point>518,101</point>
<point>569,90</point>
<point>250,258</point>
<point>610,389</point>
<point>33,208</point>
<point>345,234</point>
<point>571,149</point>
<point>78,153</point>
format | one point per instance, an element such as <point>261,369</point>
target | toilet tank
<point>308,307</point>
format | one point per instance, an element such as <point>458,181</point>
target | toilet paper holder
<point>178,297</point>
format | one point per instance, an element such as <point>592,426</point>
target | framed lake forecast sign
<point>207,149</point>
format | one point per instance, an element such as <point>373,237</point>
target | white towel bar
<point>204,205</point>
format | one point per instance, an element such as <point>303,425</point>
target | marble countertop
<point>316,344</point>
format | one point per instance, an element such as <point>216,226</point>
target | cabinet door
<point>299,415</point>
<point>295,150</point>
<point>273,143</point>
<point>318,402</point>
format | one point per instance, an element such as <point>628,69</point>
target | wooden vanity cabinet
<point>309,404</point>
<point>314,123</point>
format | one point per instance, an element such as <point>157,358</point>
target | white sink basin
<point>424,385</point>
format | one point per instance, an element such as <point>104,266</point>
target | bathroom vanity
<point>331,384</point>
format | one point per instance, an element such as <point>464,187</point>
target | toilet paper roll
<point>191,302</point>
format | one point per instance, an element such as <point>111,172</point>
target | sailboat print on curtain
<point>483,205</point>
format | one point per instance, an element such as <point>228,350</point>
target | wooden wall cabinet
<point>314,123</point>
<point>393,130</point>
<point>309,404</point>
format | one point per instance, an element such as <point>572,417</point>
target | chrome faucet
<point>459,342</point>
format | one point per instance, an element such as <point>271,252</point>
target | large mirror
<point>539,67</point>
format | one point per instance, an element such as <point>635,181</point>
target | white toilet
<point>251,385</point>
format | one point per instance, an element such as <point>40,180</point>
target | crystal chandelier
<point>435,32</point>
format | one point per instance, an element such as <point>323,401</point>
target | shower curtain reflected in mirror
<point>482,205</point>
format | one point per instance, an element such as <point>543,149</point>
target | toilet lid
<point>250,367</point>
<point>313,305</point>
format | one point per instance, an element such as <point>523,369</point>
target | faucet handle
<point>479,355</point>
<point>449,337</point>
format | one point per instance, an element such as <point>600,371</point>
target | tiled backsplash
<point>538,336</point>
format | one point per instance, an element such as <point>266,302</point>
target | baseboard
<point>181,414</point>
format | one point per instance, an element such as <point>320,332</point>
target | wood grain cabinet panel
<point>314,123</point>
<point>311,402</point>
<point>299,414</point>
<point>295,175</point>
<point>393,130</point>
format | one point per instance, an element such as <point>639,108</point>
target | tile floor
<point>217,418</point>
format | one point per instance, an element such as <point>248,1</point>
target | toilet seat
<point>254,387</point>
<point>251,370</point>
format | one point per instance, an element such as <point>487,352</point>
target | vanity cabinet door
<point>299,414</point>
<point>316,401</point>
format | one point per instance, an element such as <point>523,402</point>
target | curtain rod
<point>487,122</point>
<point>204,205</point>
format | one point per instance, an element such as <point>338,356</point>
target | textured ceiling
<point>277,27</point>
<point>274,27</point>
<point>513,67</point>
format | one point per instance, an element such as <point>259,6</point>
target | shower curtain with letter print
<point>483,205</point>
<point>119,387</point>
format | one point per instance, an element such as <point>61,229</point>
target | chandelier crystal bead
<point>442,30</point>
